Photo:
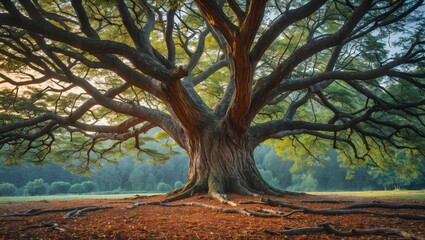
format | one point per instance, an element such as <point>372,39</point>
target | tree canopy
<point>82,78</point>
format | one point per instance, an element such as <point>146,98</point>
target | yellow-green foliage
<point>305,150</point>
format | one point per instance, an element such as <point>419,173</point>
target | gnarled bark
<point>221,161</point>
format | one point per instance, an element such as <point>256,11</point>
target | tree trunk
<point>221,162</point>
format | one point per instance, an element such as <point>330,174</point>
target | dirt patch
<point>198,222</point>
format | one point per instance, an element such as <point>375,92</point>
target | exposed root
<point>386,205</point>
<point>187,187</point>
<point>251,202</point>
<point>282,193</point>
<point>263,187</point>
<point>327,228</point>
<point>243,211</point>
<point>185,192</point>
<point>339,211</point>
<point>304,209</point>
<point>179,195</point>
<point>323,228</point>
<point>240,188</point>
<point>326,201</point>
<point>211,207</point>
<point>222,198</point>
<point>138,204</point>
<point>78,212</point>
<point>217,186</point>
<point>34,212</point>
<point>51,225</point>
<point>278,213</point>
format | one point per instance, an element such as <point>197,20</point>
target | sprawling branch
<point>187,109</point>
<point>292,85</point>
<point>270,128</point>
<point>141,60</point>
<point>264,86</point>
<point>284,21</point>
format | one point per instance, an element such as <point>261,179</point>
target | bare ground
<point>200,217</point>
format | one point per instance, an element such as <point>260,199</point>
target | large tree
<point>219,77</point>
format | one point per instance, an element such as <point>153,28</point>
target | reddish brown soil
<point>188,222</point>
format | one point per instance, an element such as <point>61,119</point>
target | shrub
<point>77,188</point>
<point>7,189</point>
<point>163,187</point>
<point>89,186</point>
<point>36,187</point>
<point>59,187</point>
<point>178,185</point>
<point>303,182</point>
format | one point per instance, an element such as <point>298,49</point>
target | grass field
<point>401,194</point>
<point>72,197</point>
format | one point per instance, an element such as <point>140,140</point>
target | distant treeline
<point>147,176</point>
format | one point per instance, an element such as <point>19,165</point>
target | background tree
<point>303,182</point>
<point>36,187</point>
<point>59,187</point>
<point>7,189</point>
<point>218,77</point>
<point>89,186</point>
<point>178,184</point>
<point>163,187</point>
<point>77,188</point>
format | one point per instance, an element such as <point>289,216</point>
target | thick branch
<point>240,14</point>
<point>216,17</point>
<point>133,31</point>
<point>169,36</point>
<point>265,130</point>
<point>243,69</point>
